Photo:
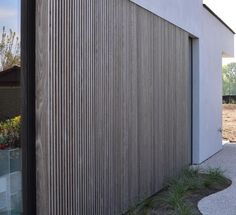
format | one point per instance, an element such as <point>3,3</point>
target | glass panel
<point>10,119</point>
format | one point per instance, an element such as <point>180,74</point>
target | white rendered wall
<point>214,40</point>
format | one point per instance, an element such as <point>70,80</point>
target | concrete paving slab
<point>224,202</point>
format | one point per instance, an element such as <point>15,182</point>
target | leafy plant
<point>190,172</point>
<point>10,133</point>
<point>9,49</point>
<point>173,198</point>
<point>214,177</point>
<point>180,188</point>
<point>183,209</point>
<point>229,79</point>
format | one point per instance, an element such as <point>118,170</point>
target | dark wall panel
<point>112,105</point>
<point>10,101</point>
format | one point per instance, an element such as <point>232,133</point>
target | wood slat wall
<point>113,105</point>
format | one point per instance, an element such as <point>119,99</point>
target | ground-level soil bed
<point>229,122</point>
<point>182,194</point>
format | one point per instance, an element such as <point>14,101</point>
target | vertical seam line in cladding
<point>56,102</point>
<point>79,29</point>
<point>49,155</point>
<point>60,104</point>
<point>50,106</point>
<point>52,117</point>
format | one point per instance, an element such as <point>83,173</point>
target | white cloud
<point>7,13</point>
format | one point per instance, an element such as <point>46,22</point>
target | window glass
<point>10,113</point>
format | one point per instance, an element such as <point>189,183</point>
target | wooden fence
<point>113,105</point>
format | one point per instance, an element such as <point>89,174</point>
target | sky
<point>10,15</point>
<point>226,10</point>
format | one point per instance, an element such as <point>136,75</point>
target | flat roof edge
<point>206,7</point>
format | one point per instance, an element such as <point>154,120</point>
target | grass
<point>214,177</point>
<point>183,209</point>
<point>179,197</point>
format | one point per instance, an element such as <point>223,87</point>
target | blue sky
<point>10,15</point>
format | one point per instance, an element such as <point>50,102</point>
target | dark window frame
<point>28,8</point>
<point>191,74</point>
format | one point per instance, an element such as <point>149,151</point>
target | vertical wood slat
<point>41,105</point>
<point>112,105</point>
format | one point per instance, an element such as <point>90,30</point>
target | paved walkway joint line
<point>224,202</point>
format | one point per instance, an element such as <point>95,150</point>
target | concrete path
<point>224,202</point>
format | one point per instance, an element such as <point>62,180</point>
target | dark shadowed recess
<point>28,105</point>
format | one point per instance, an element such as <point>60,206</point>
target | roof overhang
<point>207,8</point>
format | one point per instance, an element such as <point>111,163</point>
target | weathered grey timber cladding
<point>113,97</point>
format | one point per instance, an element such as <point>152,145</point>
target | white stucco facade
<point>213,40</point>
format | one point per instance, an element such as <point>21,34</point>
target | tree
<point>229,79</point>
<point>9,50</point>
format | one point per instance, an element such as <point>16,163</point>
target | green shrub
<point>214,177</point>
<point>184,209</point>
<point>10,133</point>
